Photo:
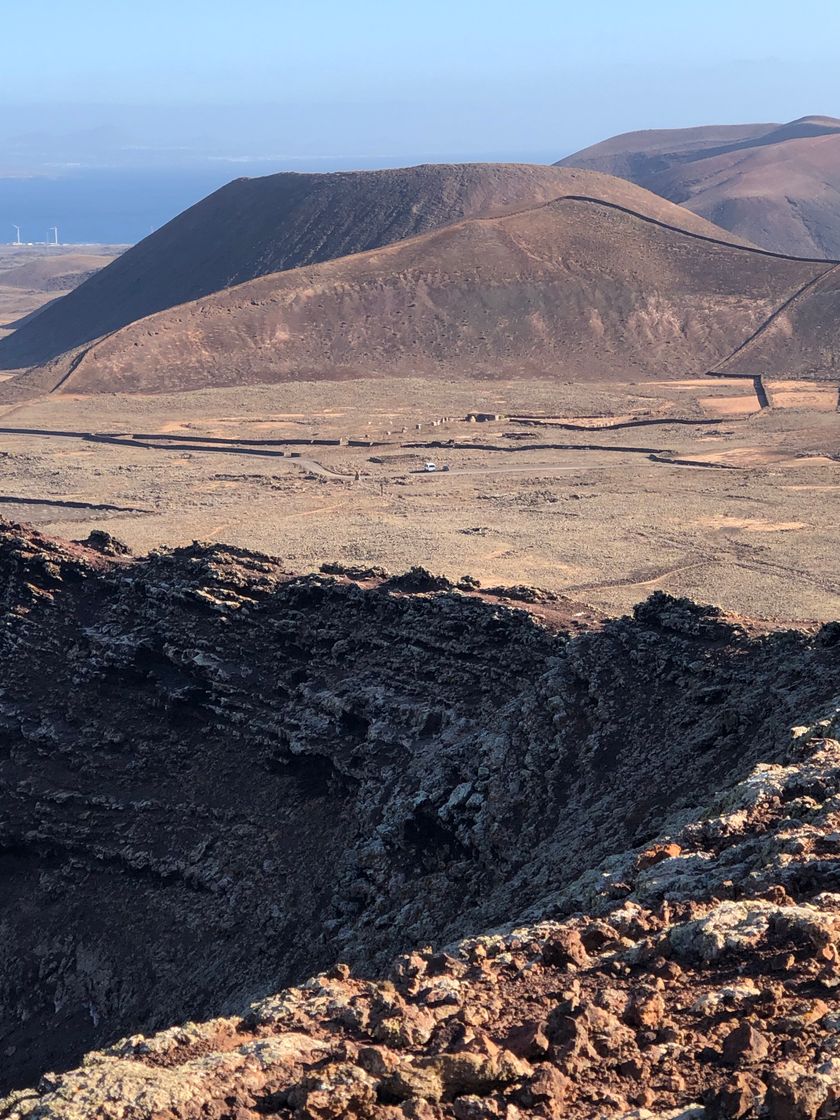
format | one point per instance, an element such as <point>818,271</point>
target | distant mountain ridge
<point>255,227</point>
<point>777,185</point>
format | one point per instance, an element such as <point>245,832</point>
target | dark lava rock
<point>100,541</point>
<point>217,779</point>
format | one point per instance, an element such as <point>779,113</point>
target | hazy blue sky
<point>329,79</point>
<point>116,114</point>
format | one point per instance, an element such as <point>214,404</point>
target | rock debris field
<point>385,846</point>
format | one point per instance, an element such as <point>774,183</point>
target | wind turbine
<point>17,228</point>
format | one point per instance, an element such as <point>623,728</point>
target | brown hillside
<point>632,155</point>
<point>53,274</point>
<point>802,338</point>
<point>778,186</point>
<point>254,227</point>
<point>576,288</point>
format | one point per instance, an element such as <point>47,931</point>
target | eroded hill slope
<point>576,288</point>
<point>53,274</point>
<point>775,185</point>
<point>253,227</point>
<point>635,154</point>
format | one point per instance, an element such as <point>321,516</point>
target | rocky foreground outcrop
<point>218,779</point>
<point>702,982</point>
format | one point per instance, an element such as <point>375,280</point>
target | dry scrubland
<point>33,275</point>
<point>744,520</point>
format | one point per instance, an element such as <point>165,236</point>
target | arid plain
<point>221,772</point>
<point>499,373</point>
<point>34,275</point>
<point>602,493</point>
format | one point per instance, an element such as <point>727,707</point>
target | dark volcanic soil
<point>216,778</point>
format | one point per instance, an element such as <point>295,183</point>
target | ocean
<point>114,207</point>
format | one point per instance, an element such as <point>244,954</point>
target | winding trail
<point>217,446</point>
<point>231,447</point>
<point>569,426</point>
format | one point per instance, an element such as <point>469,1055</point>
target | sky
<point>325,79</point>
<point>179,96</point>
